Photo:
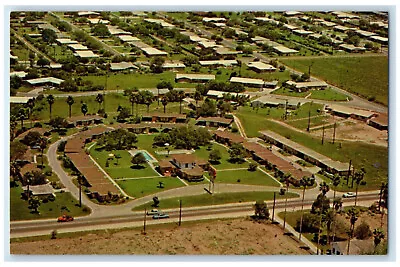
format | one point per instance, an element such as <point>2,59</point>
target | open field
<point>245,177</point>
<point>373,158</point>
<point>224,237</point>
<point>351,73</point>
<point>19,208</point>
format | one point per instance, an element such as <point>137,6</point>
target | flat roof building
<point>77,47</point>
<point>191,77</point>
<point>65,41</point>
<point>351,48</point>
<point>259,66</point>
<point>44,80</point>
<point>85,54</point>
<point>151,51</point>
<point>248,81</point>
<point>222,62</point>
<point>122,66</point>
<point>128,38</point>
<point>284,50</point>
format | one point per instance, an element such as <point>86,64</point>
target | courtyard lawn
<point>246,177</point>
<point>124,168</point>
<point>303,123</point>
<point>146,186</point>
<point>215,199</point>
<point>289,92</point>
<point>19,208</point>
<point>373,158</point>
<point>329,94</point>
<point>353,73</point>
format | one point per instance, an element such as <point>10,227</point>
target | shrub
<point>252,167</point>
<point>363,231</point>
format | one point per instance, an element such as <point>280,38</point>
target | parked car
<point>153,212</point>
<point>349,194</point>
<point>160,216</point>
<point>65,218</point>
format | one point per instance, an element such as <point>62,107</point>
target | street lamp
<point>180,212</point>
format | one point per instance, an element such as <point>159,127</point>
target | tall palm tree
<point>14,170</point>
<point>164,101</point>
<point>80,183</point>
<point>304,182</point>
<point>378,236</point>
<point>13,126</point>
<point>50,100</point>
<point>353,214</point>
<point>21,116</point>
<point>70,101</point>
<point>359,176</point>
<point>181,96</point>
<point>133,99</point>
<point>31,105</point>
<point>99,99</point>
<point>148,102</point>
<point>324,188</point>
<point>28,179</point>
<point>337,205</point>
<point>335,183</point>
<point>197,97</point>
<point>329,219</point>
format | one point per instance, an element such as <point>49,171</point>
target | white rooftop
<point>171,65</point>
<point>114,30</point>
<point>284,49</point>
<point>20,74</point>
<point>87,13</point>
<point>45,80</point>
<point>194,76</point>
<point>20,99</point>
<point>122,66</point>
<point>85,54</point>
<point>225,51</point>
<point>214,19</point>
<point>78,47</point>
<point>66,41</point>
<point>161,22</point>
<point>261,66</point>
<point>128,38</point>
<point>151,51</point>
<point>98,21</point>
<point>223,62</point>
<point>246,80</point>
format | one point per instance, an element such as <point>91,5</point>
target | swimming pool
<point>146,155</point>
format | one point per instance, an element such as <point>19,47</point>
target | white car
<point>349,194</point>
<point>153,212</point>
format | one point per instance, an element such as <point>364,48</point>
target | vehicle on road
<point>153,212</point>
<point>160,216</point>
<point>65,218</point>
<point>349,194</point>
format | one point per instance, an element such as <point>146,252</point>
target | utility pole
<point>80,194</point>
<point>323,133</point>
<point>273,208</point>
<point>180,212</point>
<point>286,103</point>
<point>334,133</point>
<point>348,173</point>
<point>144,222</point>
<point>284,217</point>
<point>309,117</point>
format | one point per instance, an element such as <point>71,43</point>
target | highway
<point>135,219</point>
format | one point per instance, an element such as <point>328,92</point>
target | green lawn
<point>353,74</point>
<point>289,92</point>
<point>373,158</point>
<point>19,208</point>
<point>124,167</point>
<point>142,187</point>
<point>246,177</point>
<point>303,123</point>
<point>328,94</point>
<point>215,199</point>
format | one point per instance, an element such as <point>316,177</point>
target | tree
<point>304,182</point>
<point>21,115</point>
<point>70,101</point>
<point>34,204</point>
<point>145,97</point>
<point>31,105</point>
<point>123,114</point>
<point>225,107</point>
<point>58,123</point>
<point>17,150</point>
<point>15,82</point>
<point>378,236</point>
<point>207,109</point>
<point>42,144</point>
<point>100,30</point>
<point>236,153</point>
<point>181,96</point>
<point>138,159</point>
<point>353,214</point>
<point>198,97</point>
<point>335,183</point>
<point>261,210</point>
<point>359,176</point>
<point>43,62</point>
<point>215,155</point>
<point>99,99</point>
<point>32,138</point>
<point>84,109</point>
<point>14,171</point>
<point>50,101</point>
<point>156,64</point>
<point>383,196</point>
<point>164,102</point>
<point>81,181</point>
<point>363,231</point>
<point>156,201</point>
<point>49,36</point>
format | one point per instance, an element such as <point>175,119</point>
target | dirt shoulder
<point>221,237</point>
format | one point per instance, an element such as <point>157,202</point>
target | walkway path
<point>30,46</point>
<point>239,125</point>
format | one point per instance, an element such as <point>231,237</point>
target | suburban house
<point>351,48</point>
<point>164,117</point>
<point>346,112</point>
<point>189,167</point>
<point>120,66</point>
<point>305,86</point>
<point>268,101</point>
<point>259,66</point>
<point>45,81</point>
<point>147,127</point>
<point>258,83</point>
<point>283,50</point>
<point>41,191</point>
<point>214,121</point>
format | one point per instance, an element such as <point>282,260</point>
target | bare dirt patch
<point>222,237</point>
<point>355,130</point>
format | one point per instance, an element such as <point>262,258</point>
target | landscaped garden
<point>145,186</point>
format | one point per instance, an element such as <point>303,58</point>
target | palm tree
<point>324,188</point>
<point>359,176</point>
<point>148,102</point>
<point>133,99</point>
<point>14,170</point>
<point>28,179</point>
<point>382,191</point>
<point>304,182</point>
<point>31,105</point>
<point>329,219</point>
<point>197,97</point>
<point>13,126</point>
<point>21,116</point>
<point>335,183</point>
<point>84,109</point>
<point>99,99</point>
<point>181,96</point>
<point>378,236</point>
<point>70,101</point>
<point>42,145</point>
<point>353,213</point>
<point>164,101</point>
<point>80,183</point>
<point>50,100</point>
<point>337,205</point>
